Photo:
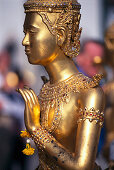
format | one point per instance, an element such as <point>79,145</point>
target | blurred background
<point>97,49</point>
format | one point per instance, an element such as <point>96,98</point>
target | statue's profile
<point>66,118</point>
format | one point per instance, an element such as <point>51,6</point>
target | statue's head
<point>109,42</point>
<point>109,38</point>
<point>51,26</point>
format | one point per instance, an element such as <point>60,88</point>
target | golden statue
<point>66,118</point>
<point>109,92</point>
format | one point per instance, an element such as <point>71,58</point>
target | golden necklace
<point>54,95</point>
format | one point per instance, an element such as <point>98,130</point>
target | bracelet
<point>41,137</point>
<point>91,114</point>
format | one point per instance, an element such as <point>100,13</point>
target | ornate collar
<point>72,84</point>
<point>53,95</point>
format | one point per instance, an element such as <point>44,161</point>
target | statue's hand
<point>32,108</point>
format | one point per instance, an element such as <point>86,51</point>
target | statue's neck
<point>60,68</point>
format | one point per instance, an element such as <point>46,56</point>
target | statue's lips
<point>27,51</point>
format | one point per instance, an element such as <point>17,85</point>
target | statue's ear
<point>61,36</point>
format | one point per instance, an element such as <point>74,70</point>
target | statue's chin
<point>31,61</point>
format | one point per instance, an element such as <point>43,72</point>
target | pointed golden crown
<point>69,17</point>
<point>50,6</point>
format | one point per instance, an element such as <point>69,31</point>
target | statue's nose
<point>26,41</point>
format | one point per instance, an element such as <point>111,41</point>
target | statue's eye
<point>32,32</point>
<point>24,32</point>
<point>111,40</point>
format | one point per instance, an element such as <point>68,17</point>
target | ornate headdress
<point>69,18</point>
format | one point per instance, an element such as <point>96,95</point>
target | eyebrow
<point>30,27</point>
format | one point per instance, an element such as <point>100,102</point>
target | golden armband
<point>91,114</point>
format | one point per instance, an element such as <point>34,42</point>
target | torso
<point>62,124</point>
<point>66,130</point>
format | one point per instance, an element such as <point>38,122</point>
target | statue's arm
<point>87,137</point>
<point>89,126</point>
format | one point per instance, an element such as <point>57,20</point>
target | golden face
<point>40,44</point>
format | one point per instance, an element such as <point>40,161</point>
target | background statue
<point>109,92</point>
<point>66,118</point>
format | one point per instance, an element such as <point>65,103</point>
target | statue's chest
<point>60,114</point>
<point>58,102</point>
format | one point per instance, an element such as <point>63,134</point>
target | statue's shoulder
<point>92,95</point>
<point>84,82</point>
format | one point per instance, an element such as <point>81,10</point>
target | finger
<point>29,92</point>
<point>35,105</point>
<point>26,87</point>
<point>31,118</point>
<point>27,117</point>
<point>35,96</point>
<point>31,96</point>
<point>22,94</point>
<point>29,100</point>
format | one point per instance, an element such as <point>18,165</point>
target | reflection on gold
<point>12,79</point>
<point>92,101</point>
